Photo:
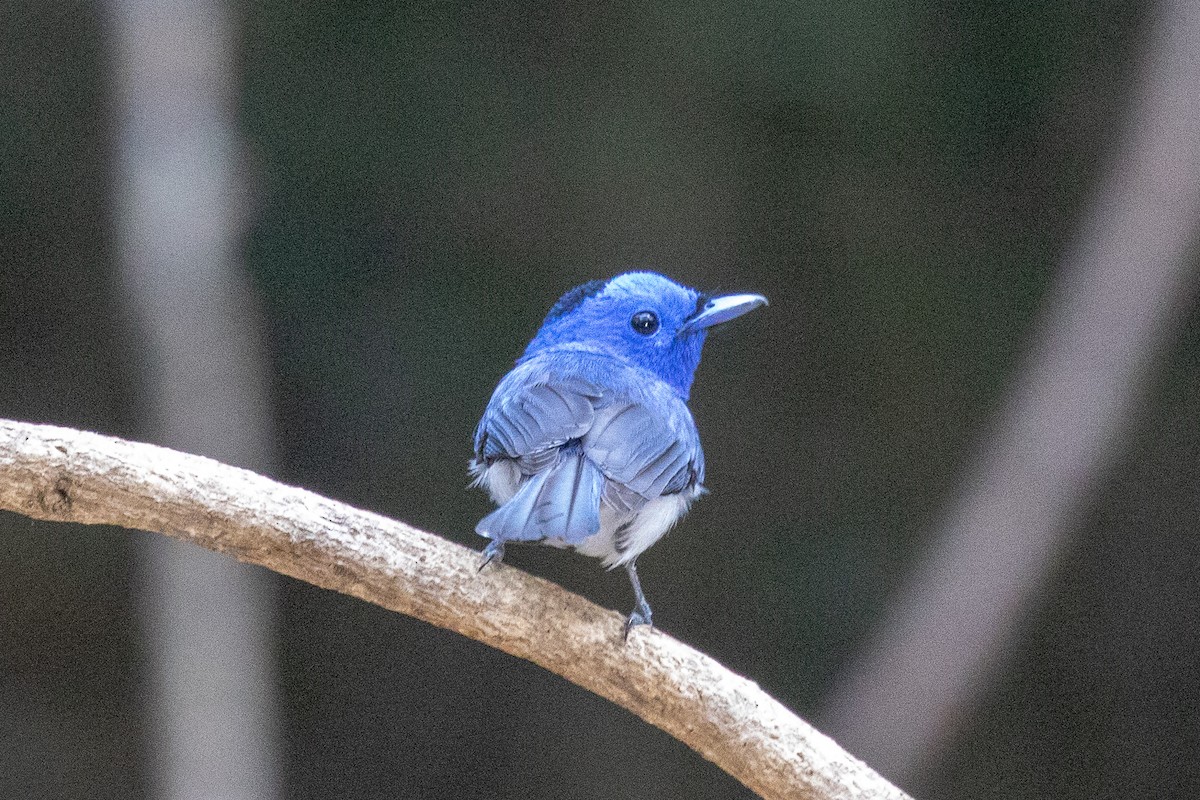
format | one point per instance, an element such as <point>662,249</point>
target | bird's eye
<point>645,322</point>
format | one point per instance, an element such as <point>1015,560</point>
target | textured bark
<point>71,476</point>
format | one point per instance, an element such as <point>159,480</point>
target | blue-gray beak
<point>722,309</point>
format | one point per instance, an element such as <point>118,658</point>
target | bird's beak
<point>722,309</point>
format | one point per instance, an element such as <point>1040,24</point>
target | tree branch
<point>1125,287</point>
<point>203,381</point>
<point>72,476</point>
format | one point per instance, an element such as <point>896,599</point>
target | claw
<point>641,609</point>
<point>639,616</point>
<point>493,552</point>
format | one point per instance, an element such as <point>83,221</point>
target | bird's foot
<point>639,616</point>
<point>493,552</point>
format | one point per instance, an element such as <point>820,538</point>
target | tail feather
<point>562,502</point>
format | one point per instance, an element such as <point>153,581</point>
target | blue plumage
<point>588,442</point>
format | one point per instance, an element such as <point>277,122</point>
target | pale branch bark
<point>65,475</point>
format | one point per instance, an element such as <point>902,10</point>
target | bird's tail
<point>561,502</point>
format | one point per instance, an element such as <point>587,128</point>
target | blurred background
<point>309,237</point>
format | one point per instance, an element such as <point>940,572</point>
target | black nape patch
<point>571,300</point>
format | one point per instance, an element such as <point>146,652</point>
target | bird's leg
<point>493,552</point>
<point>641,609</point>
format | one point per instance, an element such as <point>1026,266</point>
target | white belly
<point>623,535</point>
<point>637,531</point>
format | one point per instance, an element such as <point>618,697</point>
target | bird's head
<point>644,318</point>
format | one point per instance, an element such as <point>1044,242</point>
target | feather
<point>561,502</point>
<point>645,451</point>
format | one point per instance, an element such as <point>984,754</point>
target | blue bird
<point>588,442</point>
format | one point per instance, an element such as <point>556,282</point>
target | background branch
<point>195,335</point>
<point>1123,290</point>
<point>71,476</point>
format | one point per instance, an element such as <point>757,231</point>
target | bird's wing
<point>646,449</point>
<point>529,422</point>
<point>537,424</point>
<point>574,443</point>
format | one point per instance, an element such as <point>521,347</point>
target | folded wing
<point>576,446</point>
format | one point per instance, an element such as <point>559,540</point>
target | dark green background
<point>900,179</point>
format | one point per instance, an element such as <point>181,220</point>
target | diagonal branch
<point>1121,296</point>
<point>72,476</point>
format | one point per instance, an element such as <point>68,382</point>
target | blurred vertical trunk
<point>213,730</point>
<point>1117,303</point>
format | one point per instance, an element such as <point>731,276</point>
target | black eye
<point>645,322</point>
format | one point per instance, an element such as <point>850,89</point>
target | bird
<point>588,442</point>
